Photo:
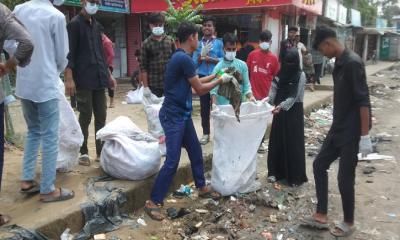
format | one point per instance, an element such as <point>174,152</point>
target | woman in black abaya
<point>286,157</point>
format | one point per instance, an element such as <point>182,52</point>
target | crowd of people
<point>43,46</point>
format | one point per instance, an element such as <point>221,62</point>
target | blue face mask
<point>265,46</point>
<point>158,31</point>
<point>91,8</point>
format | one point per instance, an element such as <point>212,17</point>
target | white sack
<point>234,165</point>
<point>70,133</point>
<point>134,97</point>
<point>128,152</point>
<point>152,106</point>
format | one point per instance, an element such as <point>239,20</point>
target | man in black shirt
<point>288,43</point>
<point>87,74</point>
<point>348,135</point>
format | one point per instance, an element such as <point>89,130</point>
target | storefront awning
<point>118,6</point>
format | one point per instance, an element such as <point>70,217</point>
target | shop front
<point>112,16</point>
<point>245,18</point>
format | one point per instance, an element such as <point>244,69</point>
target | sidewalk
<point>52,219</point>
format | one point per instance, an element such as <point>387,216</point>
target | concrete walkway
<point>52,219</point>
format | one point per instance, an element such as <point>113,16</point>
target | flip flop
<point>344,230</point>
<point>150,211</point>
<point>84,160</point>
<point>210,194</point>
<point>34,188</point>
<point>65,194</point>
<point>312,223</point>
<point>4,219</point>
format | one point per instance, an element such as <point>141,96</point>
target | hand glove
<point>226,78</point>
<point>206,48</point>
<point>365,146</point>
<point>146,92</point>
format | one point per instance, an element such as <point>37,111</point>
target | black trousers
<point>205,111</point>
<point>318,72</point>
<point>111,93</point>
<point>348,160</point>
<point>159,92</point>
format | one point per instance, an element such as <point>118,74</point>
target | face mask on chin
<point>91,8</point>
<point>230,56</point>
<point>264,46</point>
<point>58,2</point>
<point>158,31</point>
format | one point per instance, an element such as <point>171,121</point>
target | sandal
<point>34,188</point>
<point>84,160</point>
<point>65,194</point>
<point>210,194</point>
<point>4,219</point>
<point>154,212</point>
<point>342,229</point>
<point>313,223</point>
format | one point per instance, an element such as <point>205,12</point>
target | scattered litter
<point>267,235</point>
<point>174,214</point>
<point>202,211</point>
<point>142,222</point>
<point>279,236</point>
<point>154,238</point>
<point>233,199</point>
<point>252,208</point>
<point>100,237</point>
<point>384,197</point>
<point>273,219</point>
<point>314,201</point>
<point>392,215</point>
<point>369,181</point>
<point>369,169</point>
<point>198,225</point>
<point>277,186</point>
<point>171,201</point>
<point>66,235</point>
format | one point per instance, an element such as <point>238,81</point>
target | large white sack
<point>125,158</point>
<point>234,165</point>
<point>134,97</point>
<point>152,106</point>
<point>120,126</point>
<point>70,133</point>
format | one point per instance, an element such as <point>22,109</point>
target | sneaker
<point>84,160</point>
<point>205,139</point>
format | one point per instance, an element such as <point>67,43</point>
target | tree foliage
<point>368,9</point>
<point>12,3</point>
<point>186,12</point>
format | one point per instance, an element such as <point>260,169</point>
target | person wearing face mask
<point>155,54</point>
<point>263,66</point>
<point>87,74</point>
<point>38,88</point>
<point>230,60</point>
<point>209,52</point>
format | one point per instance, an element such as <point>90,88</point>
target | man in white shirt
<point>301,48</point>
<point>37,86</point>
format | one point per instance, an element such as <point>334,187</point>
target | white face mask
<point>264,46</point>
<point>91,8</point>
<point>158,31</point>
<point>230,56</point>
<point>58,2</point>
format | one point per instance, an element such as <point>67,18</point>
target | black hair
<point>293,29</point>
<point>210,19</point>
<point>157,17</point>
<point>229,38</point>
<point>137,53</point>
<point>321,34</point>
<point>185,30</point>
<point>265,36</point>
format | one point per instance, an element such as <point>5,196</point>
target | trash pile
<point>392,73</point>
<point>232,90</point>
<point>316,127</point>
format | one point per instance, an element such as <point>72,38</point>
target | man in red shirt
<point>109,54</point>
<point>263,67</point>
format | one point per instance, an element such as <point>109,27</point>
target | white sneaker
<point>205,139</point>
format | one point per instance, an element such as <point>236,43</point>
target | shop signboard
<point>355,18</point>
<point>331,9</point>
<point>312,6</point>
<point>120,6</point>
<point>342,15</point>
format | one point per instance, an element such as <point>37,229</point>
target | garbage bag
<point>70,133</point>
<point>235,147</point>
<point>134,97</point>
<point>128,152</point>
<point>21,233</point>
<point>152,106</point>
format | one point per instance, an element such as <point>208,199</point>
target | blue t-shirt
<point>177,89</point>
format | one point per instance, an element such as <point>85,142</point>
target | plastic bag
<point>70,134</point>
<point>134,97</point>
<point>152,106</point>
<point>128,153</point>
<point>234,165</point>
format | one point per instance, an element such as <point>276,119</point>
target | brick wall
<point>133,40</point>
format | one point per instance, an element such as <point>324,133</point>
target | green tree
<point>12,3</point>
<point>368,9</point>
<point>174,16</point>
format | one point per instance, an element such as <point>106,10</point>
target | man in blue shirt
<point>175,118</point>
<point>209,52</point>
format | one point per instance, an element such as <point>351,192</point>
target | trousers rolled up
<point>91,102</point>
<point>42,120</point>
<point>178,134</point>
<point>348,160</point>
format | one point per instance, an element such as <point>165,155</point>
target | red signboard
<point>314,6</point>
<point>142,6</point>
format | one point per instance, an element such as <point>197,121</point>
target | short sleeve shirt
<point>177,89</point>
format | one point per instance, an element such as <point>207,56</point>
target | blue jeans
<point>42,120</point>
<point>178,134</point>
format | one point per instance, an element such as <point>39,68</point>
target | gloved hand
<point>226,78</point>
<point>205,49</point>
<point>146,92</point>
<point>365,146</point>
